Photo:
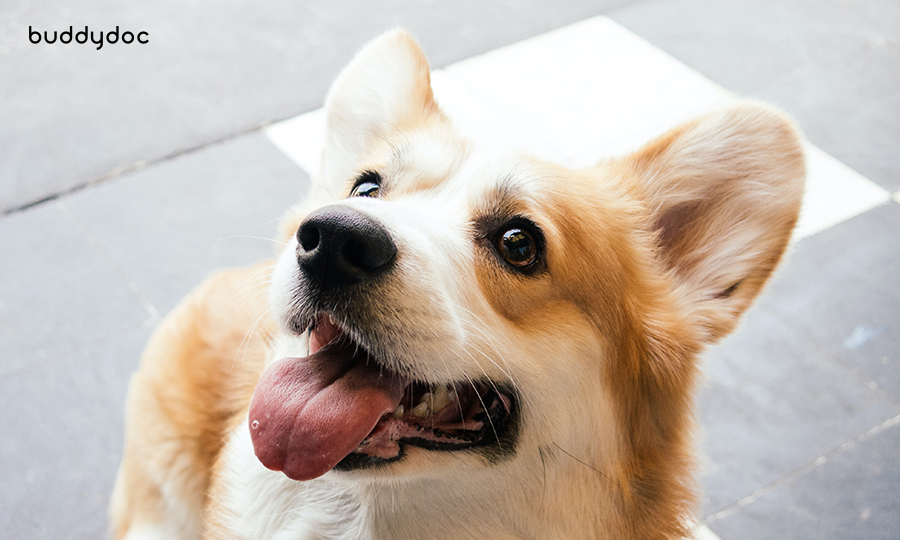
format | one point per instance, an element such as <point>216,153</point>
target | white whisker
<point>252,238</point>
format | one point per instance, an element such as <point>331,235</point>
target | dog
<point>457,344</point>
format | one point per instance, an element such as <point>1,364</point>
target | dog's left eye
<point>367,185</point>
<point>366,189</point>
<point>518,247</point>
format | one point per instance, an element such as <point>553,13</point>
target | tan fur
<point>650,258</point>
<point>196,375</point>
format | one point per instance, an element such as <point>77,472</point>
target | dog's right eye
<point>367,185</point>
<point>519,244</point>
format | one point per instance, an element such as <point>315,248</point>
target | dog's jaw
<point>495,502</point>
<point>342,407</point>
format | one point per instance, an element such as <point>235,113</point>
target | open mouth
<point>341,408</point>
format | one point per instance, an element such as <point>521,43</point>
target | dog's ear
<point>724,193</point>
<point>386,88</point>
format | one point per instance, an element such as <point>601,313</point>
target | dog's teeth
<point>398,413</point>
<point>420,410</point>
<point>427,397</point>
<point>441,398</point>
<point>452,396</point>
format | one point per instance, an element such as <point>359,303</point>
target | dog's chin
<point>358,414</point>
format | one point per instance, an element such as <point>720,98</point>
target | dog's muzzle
<point>339,246</point>
<point>348,405</point>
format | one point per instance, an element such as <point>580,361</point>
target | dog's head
<point>446,309</point>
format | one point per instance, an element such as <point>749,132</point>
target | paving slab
<point>62,441</point>
<point>831,63</point>
<point>774,401</point>
<point>847,495</point>
<point>764,41</point>
<point>169,226</point>
<point>841,289</point>
<point>59,291</point>
<point>71,114</point>
<point>852,115</point>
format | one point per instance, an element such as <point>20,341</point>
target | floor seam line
<point>143,164</point>
<point>806,468</point>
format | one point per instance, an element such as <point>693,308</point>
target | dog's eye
<point>518,247</point>
<point>367,185</point>
<point>366,189</point>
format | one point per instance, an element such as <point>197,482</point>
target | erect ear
<point>724,193</point>
<point>386,88</point>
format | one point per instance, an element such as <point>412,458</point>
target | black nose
<point>342,246</point>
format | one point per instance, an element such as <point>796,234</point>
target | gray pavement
<point>73,115</point>
<point>833,64</point>
<point>154,173</point>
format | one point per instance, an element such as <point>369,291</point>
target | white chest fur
<point>256,503</point>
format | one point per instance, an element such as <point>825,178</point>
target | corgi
<point>458,344</point>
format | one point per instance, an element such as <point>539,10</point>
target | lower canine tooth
<point>441,399</point>
<point>399,412</point>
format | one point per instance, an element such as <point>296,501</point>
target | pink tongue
<point>308,413</point>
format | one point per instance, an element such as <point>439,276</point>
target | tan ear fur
<point>724,193</point>
<point>385,89</point>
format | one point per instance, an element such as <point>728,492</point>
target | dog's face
<point>445,309</point>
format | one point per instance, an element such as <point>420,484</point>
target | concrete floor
<point>129,173</point>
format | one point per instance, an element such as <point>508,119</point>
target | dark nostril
<point>368,255</point>
<point>354,252</point>
<point>308,236</point>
